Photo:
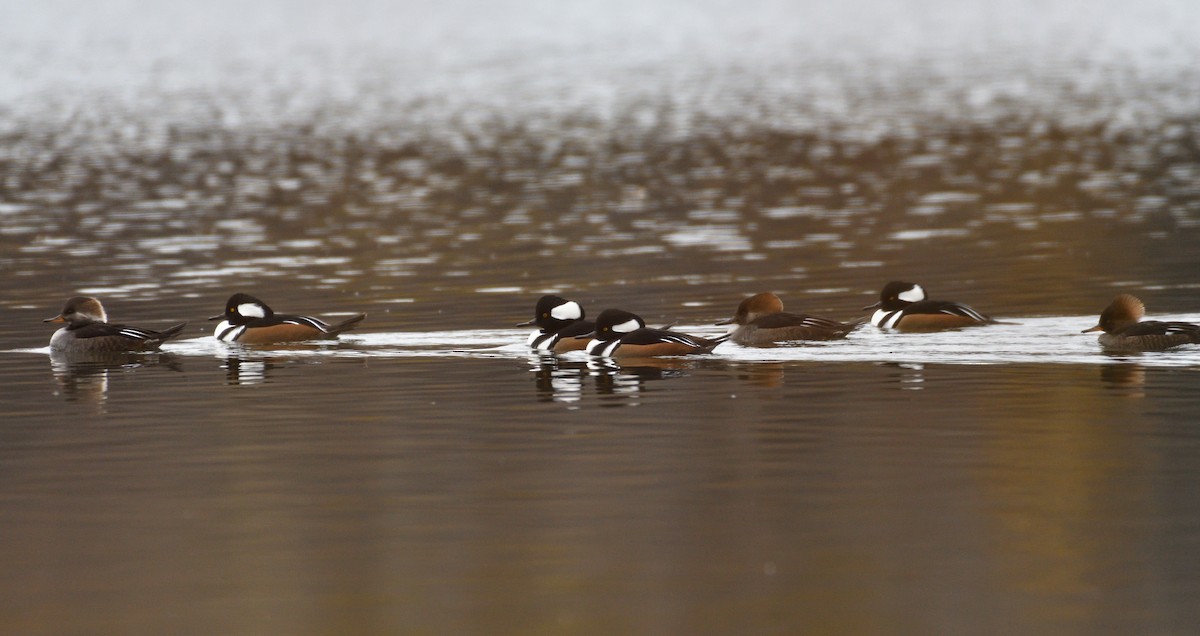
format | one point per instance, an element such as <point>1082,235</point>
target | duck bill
<point>873,306</point>
<point>216,317</point>
<point>727,321</point>
<point>586,336</point>
<point>528,323</point>
<point>1096,328</point>
<point>57,318</point>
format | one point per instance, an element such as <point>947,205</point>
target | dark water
<point>441,166</point>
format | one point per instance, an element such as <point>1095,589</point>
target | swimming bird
<point>559,321</point>
<point>760,320</point>
<point>88,331</point>
<point>904,306</point>
<point>1123,332</point>
<point>248,320</point>
<point>622,334</point>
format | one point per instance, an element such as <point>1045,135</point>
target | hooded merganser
<point>1122,331</point>
<point>621,334</point>
<point>559,321</point>
<point>904,306</point>
<point>88,331</point>
<point>761,320</point>
<point>248,320</point>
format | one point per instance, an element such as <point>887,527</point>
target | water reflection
<point>1124,378</point>
<point>84,377</point>
<point>623,383</point>
<point>253,364</point>
<point>560,379</point>
<point>242,371</point>
<point>766,375</point>
<point>912,376</point>
<point>556,379</point>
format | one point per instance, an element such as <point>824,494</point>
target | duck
<point>1123,328</point>
<point>904,306</point>
<point>761,321</point>
<point>623,334</point>
<point>248,320</point>
<point>87,330</point>
<point>559,321</point>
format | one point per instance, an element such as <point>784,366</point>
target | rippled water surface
<point>441,166</point>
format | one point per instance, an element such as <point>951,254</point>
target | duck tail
<point>171,332</point>
<point>345,325</point>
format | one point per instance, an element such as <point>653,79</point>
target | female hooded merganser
<point>1123,332</point>
<point>621,334</point>
<point>559,321</point>
<point>248,320</point>
<point>88,331</point>
<point>903,306</point>
<point>761,320</point>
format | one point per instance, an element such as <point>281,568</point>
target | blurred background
<point>1038,154</point>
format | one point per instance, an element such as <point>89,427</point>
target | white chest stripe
<point>886,319</point>
<point>542,341</point>
<point>228,333</point>
<point>602,347</point>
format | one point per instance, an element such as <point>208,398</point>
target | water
<point>440,167</point>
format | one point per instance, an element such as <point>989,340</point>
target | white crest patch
<point>627,326</point>
<point>251,310</point>
<point>567,311</point>
<point>913,295</point>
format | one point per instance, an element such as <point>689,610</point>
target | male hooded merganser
<point>761,320</point>
<point>903,306</point>
<point>248,320</point>
<point>559,321</point>
<point>621,334</point>
<point>1122,331</point>
<point>88,331</point>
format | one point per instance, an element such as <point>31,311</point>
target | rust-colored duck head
<point>1122,312</point>
<point>755,307</point>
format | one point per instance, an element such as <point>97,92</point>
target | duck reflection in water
<point>629,379</point>
<point>556,379</point>
<point>84,376</point>
<point>559,379</point>
<point>1124,378</point>
<point>768,375</point>
<point>911,375</point>
<point>240,371</point>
